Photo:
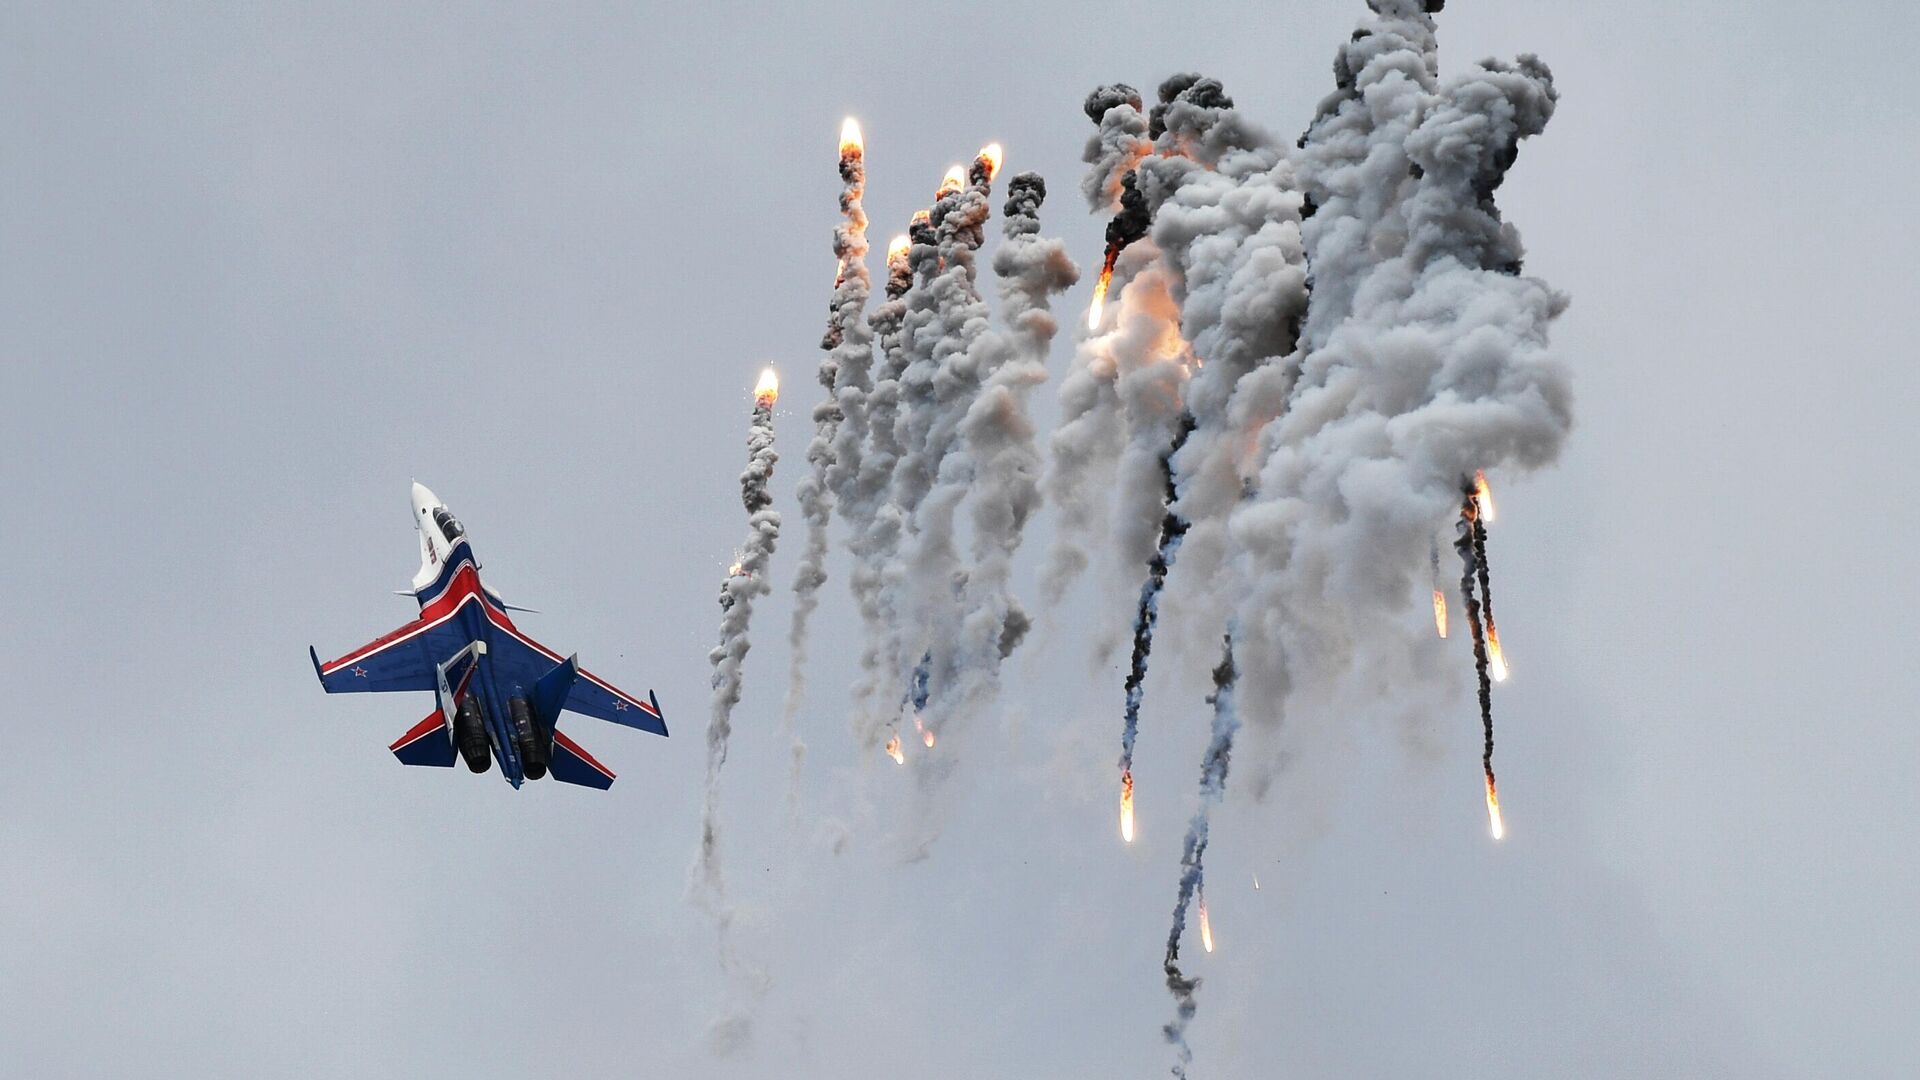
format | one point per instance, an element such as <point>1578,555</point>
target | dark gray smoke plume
<point>746,580</point>
<point>1213,786</point>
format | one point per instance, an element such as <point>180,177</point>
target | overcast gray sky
<point>261,266</point>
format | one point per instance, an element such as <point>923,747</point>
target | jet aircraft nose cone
<point>422,498</point>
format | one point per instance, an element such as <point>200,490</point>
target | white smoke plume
<point>996,466</point>
<point>746,580</point>
<point>840,422</point>
<point>1434,364</point>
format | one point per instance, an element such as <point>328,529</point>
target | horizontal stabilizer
<point>572,765</point>
<point>427,743</point>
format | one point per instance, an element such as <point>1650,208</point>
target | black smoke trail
<point>1473,568</point>
<point>1173,529</point>
<point>1213,786</point>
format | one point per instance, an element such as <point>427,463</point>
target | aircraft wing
<point>401,660</point>
<point>590,696</point>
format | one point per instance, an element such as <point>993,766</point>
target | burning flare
<point>1483,496</point>
<point>893,750</point>
<point>955,179</point>
<point>1496,660</point>
<point>767,390</point>
<point>897,248</point>
<point>1206,927</point>
<point>1099,298</point>
<point>1126,806</point>
<point>1440,612</point>
<point>850,141</point>
<point>922,217</point>
<point>993,156</point>
<point>926,733</point>
<point>1495,822</point>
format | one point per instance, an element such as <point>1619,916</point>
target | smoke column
<point>876,524</point>
<point>746,579</point>
<point>1213,785</point>
<point>846,374</point>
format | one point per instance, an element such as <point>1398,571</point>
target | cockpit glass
<point>449,525</point>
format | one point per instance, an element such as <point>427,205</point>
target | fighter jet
<point>498,694</point>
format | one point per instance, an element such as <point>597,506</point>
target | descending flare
<point>893,750</point>
<point>1126,806</point>
<point>767,390</point>
<point>1483,496</point>
<point>1495,822</point>
<point>1496,660</point>
<point>897,248</point>
<point>850,141</point>
<point>1440,612</point>
<point>1099,296</point>
<point>993,155</point>
<point>955,179</point>
<point>926,733</point>
<point>1206,926</point>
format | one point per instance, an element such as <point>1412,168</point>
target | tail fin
<point>572,765</point>
<point>426,743</point>
<point>550,692</point>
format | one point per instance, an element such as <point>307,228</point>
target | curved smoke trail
<point>746,580</point>
<point>1213,786</point>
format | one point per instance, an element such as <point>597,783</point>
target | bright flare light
<point>1483,496</point>
<point>1126,806</point>
<point>768,388</point>
<point>1440,612</point>
<point>897,247</point>
<point>1495,822</point>
<point>1206,927</point>
<point>993,156</point>
<point>955,179</point>
<point>1099,299</point>
<point>1496,660</point>
<point>893,751</point>
<point>926,733</point>
<point>850,141</point>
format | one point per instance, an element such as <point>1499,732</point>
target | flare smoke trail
<point>1213,786</point>
<point>846,374</point>
<point>1086,441</point>
<point>1173,529</point>
<point>876,524</point>
<point>1469,545</point>
<point>746,579</point>
<point>998,467</point>
<point>940,384</point>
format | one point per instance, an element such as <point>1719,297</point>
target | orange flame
<point>993,156</point>
<point>922,217</point>
<point>850,141</point>
<point>1099,299</point>
<point>1483,496</point>
<point>1126,806</point>
<point>926,733</point>
<point>1206,925</point>
<point>1496,660</point>
<point>767,390</point>
<point>1495,823</point>
<point>897,247</point>
<point>955,179</point>
<point>893,751</point>
<point>1440,612</point>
